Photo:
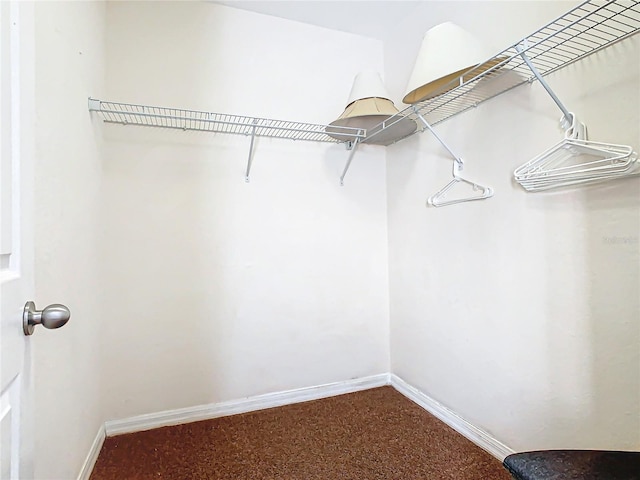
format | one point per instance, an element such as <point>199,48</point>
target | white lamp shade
<point>369,105</point>
<point>367,84</point>
<point>447,51</point>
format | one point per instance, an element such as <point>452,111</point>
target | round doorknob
<point>53,316</point>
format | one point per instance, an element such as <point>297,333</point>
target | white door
<point>16,236</point>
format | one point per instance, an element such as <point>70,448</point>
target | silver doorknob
<point>53,316</point>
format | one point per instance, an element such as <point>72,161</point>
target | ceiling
<point>384,19</point>
<point>373,19</point>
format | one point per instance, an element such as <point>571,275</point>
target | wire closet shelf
<point>194,120</point>
<point>589,27</point>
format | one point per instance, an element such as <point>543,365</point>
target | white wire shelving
<point>199,121</point>
<point>587,28</point>
<point>194,120</point>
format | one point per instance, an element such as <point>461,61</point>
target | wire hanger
<point>575,160</point>
<point>439,198</point>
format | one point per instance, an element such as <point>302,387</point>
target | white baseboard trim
<point>233,407</point>
<point>260,402</point>
<point>478,436</point>
<point>92,456</point>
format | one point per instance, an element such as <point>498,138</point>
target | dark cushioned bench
<point>574,465</point>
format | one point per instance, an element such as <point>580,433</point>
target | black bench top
<point>574,465</point>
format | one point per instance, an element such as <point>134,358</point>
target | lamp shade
<point>367,106</point>
<point>447,51</point>
<point>367,84</point>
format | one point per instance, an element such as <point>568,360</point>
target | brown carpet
<point>369,435</point>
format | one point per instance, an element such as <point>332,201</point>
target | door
<point>16,236</point>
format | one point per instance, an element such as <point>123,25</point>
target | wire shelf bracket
<point>250,159</point>
<point>200,121</point>
<point>573,128</point>
<point>351,146</point>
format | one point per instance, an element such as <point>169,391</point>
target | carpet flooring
<point>376,434</point>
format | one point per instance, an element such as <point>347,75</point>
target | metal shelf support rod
<point>543,82</point>
<point>426,124</point>
<point>346,167</point>
<point>250,159</point>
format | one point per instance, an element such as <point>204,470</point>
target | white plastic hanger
<point>438,199</point>
<point>574,160</point>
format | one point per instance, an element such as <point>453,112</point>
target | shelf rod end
<point>94,105</point>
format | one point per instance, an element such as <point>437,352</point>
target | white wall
<point>69,67</point>
<point>522,312</point>
<point>217,289</point>
<point>188,286</point>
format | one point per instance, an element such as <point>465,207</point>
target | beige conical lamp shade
<point>447,51</point>
<point>369,105</point>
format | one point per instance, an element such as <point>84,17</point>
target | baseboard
<point>92,456</point>
<point>259,402</point>
<point>478,436</point>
